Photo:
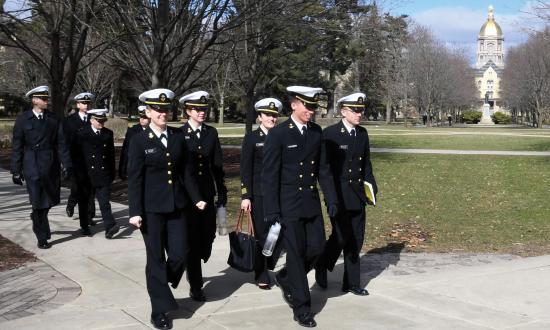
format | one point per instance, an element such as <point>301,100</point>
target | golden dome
<point>490,28</point>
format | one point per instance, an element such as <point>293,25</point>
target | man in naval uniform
<point>38,145</point>
<point>141,126</point>
<point>98,149</point>
<point>348,155</point>
<point>81,192</point>
<point>292,166</point>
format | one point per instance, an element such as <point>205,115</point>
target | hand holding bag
<point>243,245</point>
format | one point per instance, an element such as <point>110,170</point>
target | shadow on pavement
<point>219,287</point>
<point>373,263</point>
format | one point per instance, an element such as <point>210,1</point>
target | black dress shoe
<point>305,320</point>
<point>70,210</point>
<point>356,290</point>
<point>92,222</point>
<point>85,232</point>
<point>197,295</point>
<point>321,277</point>
<point>161,321</point>
<point>287,297</point>
<point>44,245</point>
<point>112,231</point>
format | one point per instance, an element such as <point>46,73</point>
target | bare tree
<point>526,78</point>
<point>53,34</point>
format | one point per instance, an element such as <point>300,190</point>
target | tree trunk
<point>250,112</point>
<point>220,109</point>
<point>388,111</point>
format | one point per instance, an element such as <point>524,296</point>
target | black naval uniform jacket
<point>99,155</point>
<point>160,179</point>
<point>207,158</point>
<point>252,164</point>
<point>349,163</point>
<point>37,148</point>
<point>290,172</point>
<point>123,162</point>
<point>71,125</point>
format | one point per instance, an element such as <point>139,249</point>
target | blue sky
<point>457,23</point>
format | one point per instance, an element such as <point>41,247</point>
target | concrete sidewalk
<point>408,291</point>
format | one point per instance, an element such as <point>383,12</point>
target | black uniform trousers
<point>261,228</point>
<point>202,228</point>
<point>102,194</point>
<point>164,234</point>
<point>85,198</point>
<point>40,224</point>
<point>39,216</point>
<point>74,197</point>
<point>348,233</point>
<point>303,240</point>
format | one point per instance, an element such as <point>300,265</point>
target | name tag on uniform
<point>150,151</point>
<point>345,146</point>
<point>187,137</point>
<point>292,146</point>
<point>261,144</point>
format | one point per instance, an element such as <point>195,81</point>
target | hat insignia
<point>151,135</point>
<point>272,105</point>
<point>360,99</point>
<point>203,99</point>
<point>162,97</point>
<point>316,97</point>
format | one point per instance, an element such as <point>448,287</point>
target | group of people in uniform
<point>176,182</point>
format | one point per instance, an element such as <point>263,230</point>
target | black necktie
<point>198,132</point>
<point>40,117</point>
<point>162,136</point>
<point>304,131</point>
<point>97,133</point>
<point>352,132</point>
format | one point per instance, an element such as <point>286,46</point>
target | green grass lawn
<point>462,142</point>
<point>511,139</point>
<point>456,203</point>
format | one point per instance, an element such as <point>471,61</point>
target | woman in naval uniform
<point>268,110</point>
<point>161,193</point>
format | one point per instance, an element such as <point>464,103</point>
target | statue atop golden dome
<point>490,28</point>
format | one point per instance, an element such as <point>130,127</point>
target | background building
<point>490,62</point>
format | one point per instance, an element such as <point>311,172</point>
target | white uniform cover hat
<point>40,91</point>
<point>355,101</point>
<point>84,97</point>
<point>269,105</point>
<point>196,99</point>
<point>156,98</point>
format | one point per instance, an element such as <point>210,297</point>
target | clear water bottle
<point>271,240</point>
<point>221,217</point>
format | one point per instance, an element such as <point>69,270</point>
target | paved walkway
<point>408,291</point>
